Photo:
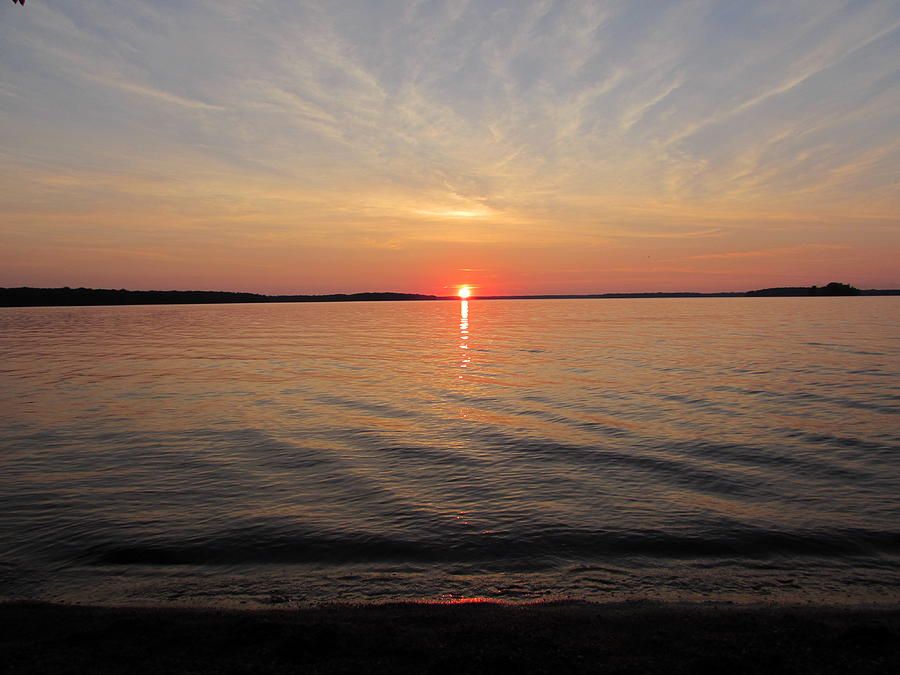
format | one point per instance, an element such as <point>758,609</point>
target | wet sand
<point>566,637</point>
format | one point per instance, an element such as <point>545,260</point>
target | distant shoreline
<point>85,297</point>
<point>72,297</point>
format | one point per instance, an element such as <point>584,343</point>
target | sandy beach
<point>563,637</point>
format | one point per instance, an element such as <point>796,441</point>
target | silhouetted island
<point>67,297</point>
<point>832,288</point>
<point>34,297</point>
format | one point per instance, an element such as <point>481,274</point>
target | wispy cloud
<point>157,94</point>
<point>667,235</point>
<point>770,252</point>
<point>718,129</point>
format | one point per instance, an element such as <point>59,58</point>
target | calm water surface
<point>724,448</point>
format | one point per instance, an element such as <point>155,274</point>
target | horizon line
<point>25,296</point>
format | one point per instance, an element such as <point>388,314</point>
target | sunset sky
<point>518,146</point>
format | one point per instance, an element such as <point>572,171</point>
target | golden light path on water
<point>464,334</point>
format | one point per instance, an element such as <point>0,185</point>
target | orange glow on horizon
<point>464,292</point>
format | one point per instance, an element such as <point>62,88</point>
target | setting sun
<point>464,292</point>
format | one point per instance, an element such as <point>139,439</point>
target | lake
<point>741,449</point>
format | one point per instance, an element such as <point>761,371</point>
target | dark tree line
<point>32,297</point>
<point>832,288</point>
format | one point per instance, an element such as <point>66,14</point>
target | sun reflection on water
<point>452,599</point>
<point>464,334</point>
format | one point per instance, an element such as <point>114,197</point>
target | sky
<point>290,146</point>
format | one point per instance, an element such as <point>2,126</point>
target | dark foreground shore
<point>464,638</point>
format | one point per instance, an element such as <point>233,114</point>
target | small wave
<point>536,548</point>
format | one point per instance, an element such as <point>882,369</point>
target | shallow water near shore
<point>720,448</point>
